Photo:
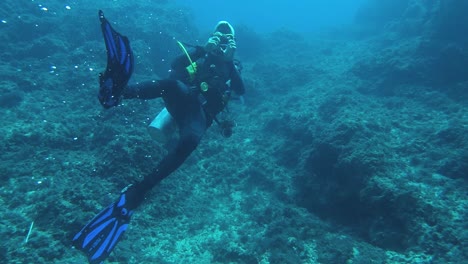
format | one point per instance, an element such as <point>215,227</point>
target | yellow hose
<point>192,66</point>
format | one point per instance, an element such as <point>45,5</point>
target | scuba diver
<point>199,87</point>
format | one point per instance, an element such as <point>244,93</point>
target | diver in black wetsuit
<point>199,88</point>
<point>193,95</point>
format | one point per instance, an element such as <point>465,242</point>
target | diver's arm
<point>237,84</point>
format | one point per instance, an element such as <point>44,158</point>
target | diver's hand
<point>212,44</point>
<point>230,50</point>
<point>232,44</point>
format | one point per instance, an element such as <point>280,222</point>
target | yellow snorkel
<point>192,68</point>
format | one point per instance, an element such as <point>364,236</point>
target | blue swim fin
<point>99,237</point>
<point>119,65</point>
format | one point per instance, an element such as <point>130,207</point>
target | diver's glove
<point>213,44</point>
<point>230,50</point>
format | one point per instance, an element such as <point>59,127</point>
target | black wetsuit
<point>193,109</point>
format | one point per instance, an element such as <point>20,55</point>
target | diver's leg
<point>150,89</point>
<point>191,132</point>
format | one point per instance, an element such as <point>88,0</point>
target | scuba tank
<point>162,127</point>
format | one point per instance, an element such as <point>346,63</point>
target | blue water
<point>267,16</point>
<point>350,146</point>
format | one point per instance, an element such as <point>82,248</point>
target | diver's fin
<point>119,65</point>
<point>99,237</point>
